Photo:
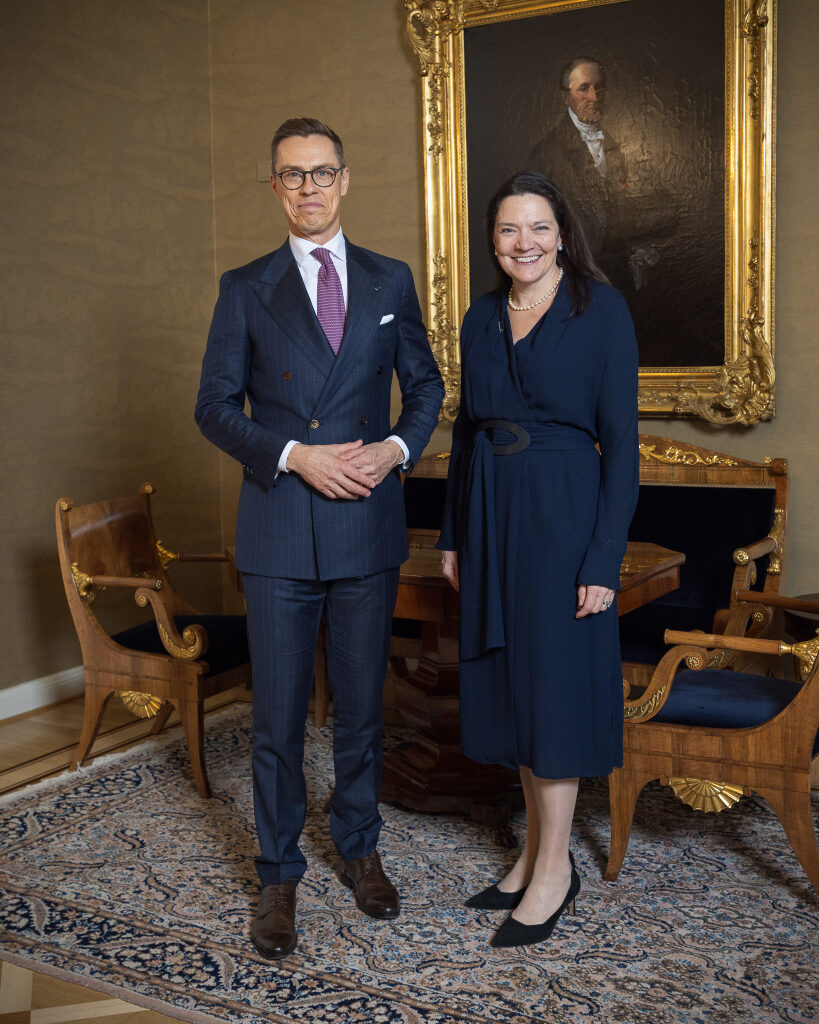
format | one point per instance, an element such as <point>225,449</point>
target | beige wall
<point>113,244</point>
<point>107,269</point>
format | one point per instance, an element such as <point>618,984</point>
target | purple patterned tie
<point>329,299</point>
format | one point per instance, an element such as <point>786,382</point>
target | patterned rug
<point>121,878</point>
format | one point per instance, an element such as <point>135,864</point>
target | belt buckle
<point>522,437</point>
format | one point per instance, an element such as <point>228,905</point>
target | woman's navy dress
<point>539,687</point>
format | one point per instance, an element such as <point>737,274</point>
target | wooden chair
<point>729,517</point>
<point>157,665</point>
<point>714,735</point>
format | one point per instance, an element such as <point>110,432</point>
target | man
<point>310,334</point>
<point>582,159</point>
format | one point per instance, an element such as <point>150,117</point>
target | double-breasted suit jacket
<point>266,345</point>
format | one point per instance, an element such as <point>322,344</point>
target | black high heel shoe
<point>516,933</point>
<point>494,898</point>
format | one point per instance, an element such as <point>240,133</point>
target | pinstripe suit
<point>302,554</point>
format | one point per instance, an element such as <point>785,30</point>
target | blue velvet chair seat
<point>227,639</point>
<point>720,699</point>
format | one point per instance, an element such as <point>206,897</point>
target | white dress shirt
<point>309,267</point>
<point>593,136</point>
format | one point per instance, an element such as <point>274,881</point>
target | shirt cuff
<point>405,465</point>
<point>282,467</point>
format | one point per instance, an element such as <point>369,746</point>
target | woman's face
<point>526,238</point>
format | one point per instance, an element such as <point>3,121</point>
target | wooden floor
<point>29,998</point>
<point>32,747</point>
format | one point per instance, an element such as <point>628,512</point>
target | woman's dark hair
<point>575,258</point>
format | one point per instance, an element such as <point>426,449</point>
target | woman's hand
<point>591,600</point>
<point>449,567</point>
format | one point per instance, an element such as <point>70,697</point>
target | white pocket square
<point>386,319</point>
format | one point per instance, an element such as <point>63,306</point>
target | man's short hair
<point>575,62</point>
<point>302,127</point>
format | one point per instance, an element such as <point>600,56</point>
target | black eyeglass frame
<point>296,170</point>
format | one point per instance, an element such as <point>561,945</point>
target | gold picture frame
<point>741,389</point>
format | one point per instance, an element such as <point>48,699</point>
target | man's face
<point>586,94</point>
<point>311,211</point>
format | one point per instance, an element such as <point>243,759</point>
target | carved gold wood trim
<point>641,711</point>
<point>704,795</point>
<point>778,534</point>
<point>143,705</point>
<point>193,643</point>
<point>742,389</point>
<point>85,584</point>
<point>676,456</point>
<point>806,651</point>
<point>165,555</point>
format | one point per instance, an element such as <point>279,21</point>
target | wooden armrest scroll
<point>193,642</point>
<point>656,694</point>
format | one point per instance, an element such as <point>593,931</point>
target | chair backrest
<point>707,504</point>
<point>108,538</point>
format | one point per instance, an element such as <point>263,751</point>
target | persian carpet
<point>121,878</point>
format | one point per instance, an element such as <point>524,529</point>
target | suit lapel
<point>282,292</point>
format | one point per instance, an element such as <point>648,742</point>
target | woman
<point>534,539</point>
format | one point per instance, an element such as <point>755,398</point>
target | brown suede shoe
<point>374,892</point>
<point>273,933</point>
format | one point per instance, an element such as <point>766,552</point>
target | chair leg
<point>95,701</point>
<point>192,714</point>
<point>624,788</point>
<point>399,666</point>
<point>793,808</point>
<point>162,717</point>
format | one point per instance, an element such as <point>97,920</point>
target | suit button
<point>363,421</point>
<point>380,370</point>
<point>286,375</point>
<point>313,424</point>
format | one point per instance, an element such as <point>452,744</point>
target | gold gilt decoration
<point>778,534</point>
<point>704,795</point>
<point>675,456</point>
<point>693,661</point>
<point>193,647</point>
<point>806,651</point>
<point>741,557</point>
<point>443,339</point>
<point>165,556</point>
<point>738,387</point>
<point>641,711</point>
<point>719,658</point>
<point>85,583</point>
<point>143,705</point>
<point>759,617</point>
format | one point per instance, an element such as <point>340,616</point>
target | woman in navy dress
<point>542,486</point>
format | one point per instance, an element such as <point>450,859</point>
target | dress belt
<point>482,628</point>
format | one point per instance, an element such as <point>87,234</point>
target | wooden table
<point>429,772</point>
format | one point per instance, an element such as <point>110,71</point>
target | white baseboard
<point>37,693</point>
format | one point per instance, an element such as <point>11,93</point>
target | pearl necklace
<point>543,298</point>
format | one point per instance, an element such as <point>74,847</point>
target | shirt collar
<point>588,131</point>
<point>302,247</point>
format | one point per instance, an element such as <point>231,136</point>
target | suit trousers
<point>283,618</point>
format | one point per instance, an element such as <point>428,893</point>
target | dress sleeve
<point>617,434</point>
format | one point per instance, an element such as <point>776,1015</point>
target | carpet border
<point>107,988</point>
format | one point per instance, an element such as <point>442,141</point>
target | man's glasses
<point>322,176</point>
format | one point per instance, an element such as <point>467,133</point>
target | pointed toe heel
<point>494,898</point>
<point>516,933</point>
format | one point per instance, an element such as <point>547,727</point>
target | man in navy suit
<point>310,335</point>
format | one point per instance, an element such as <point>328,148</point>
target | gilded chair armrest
<point>646,706</point>
<point>193,641</point>
<point>213,557</point>
<point>166,556</point>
